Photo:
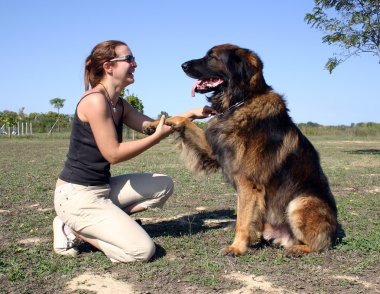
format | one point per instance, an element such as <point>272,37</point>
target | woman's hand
<point>162,130</point>
<point>201,112</point>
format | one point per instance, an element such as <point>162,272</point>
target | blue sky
<point>44,44</point>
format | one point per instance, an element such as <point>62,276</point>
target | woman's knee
<point>162,183</point>
<point>163,191</point>
<point>147,252</point>
<point>143,253</point>
<point>169,186</point>
<point>168,191</point>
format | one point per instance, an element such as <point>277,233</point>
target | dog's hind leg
<point>250,215</point>
<point>313,224</point>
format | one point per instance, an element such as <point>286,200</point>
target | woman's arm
<point>137,120</point>
<point>96,112</point>
<point>201,112</point>
<point>134,119</point>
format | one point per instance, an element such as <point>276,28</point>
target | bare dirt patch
<point>254,283</point>
<point>100,284</point>
<point>34,240</point>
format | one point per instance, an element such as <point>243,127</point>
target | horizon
<point>206,119</point>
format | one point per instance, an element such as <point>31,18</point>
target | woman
<point>91,205</point>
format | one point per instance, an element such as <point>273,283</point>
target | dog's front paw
<point>149,130</point>
<point>234,250</point>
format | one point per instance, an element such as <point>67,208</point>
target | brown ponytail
<point>93,70</point>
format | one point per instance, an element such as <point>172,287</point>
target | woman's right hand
<point>162,130</point>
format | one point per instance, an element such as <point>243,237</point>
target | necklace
<point>109,98</point>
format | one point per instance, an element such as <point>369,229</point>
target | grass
<point>189,240</point>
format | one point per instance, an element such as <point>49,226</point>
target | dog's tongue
<point>194,87</point>
<point>206,84</point>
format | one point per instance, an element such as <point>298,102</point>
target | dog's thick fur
<point>283,194</point>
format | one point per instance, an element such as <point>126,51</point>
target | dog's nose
<point>185,66</point>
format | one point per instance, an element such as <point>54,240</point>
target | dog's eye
<point>211,57</point>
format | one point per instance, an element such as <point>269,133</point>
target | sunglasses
<point>128,58</point>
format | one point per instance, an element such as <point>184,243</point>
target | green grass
<point>188,257</point>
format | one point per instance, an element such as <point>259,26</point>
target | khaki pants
<point>96,212</point>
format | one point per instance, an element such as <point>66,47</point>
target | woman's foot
<point>64,244</point>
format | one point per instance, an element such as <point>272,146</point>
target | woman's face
<point>123,69</point>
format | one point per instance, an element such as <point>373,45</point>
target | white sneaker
<point>63,244</point>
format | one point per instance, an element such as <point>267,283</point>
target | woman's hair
<point>93,70</point>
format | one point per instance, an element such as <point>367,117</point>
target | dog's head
<point>232,73</point>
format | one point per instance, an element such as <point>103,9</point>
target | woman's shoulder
<point>91,103</point>
<point>92,95</point>
<point>93,99</point>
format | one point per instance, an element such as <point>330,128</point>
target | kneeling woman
<point>90,204</point>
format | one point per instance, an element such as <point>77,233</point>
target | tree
<point>135,102</point>
<point>21,113</point>
<point>353,25</point>
<point>8,119</point>
<point>163,113</point>
<point>57,103</point>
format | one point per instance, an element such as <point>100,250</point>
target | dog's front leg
<point>177,122</point>
<point>250,215</point>
<point>196,150</point>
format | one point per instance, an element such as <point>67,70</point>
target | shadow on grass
<point>189,224</point>
<point>364,151</point>
<point>185,225</point>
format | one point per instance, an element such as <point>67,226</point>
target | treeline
<point>369,129</point>
<point>47,122</point>
<point>43,123</point>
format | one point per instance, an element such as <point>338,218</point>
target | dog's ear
<point>239,68</point>
<point>246,70</point>
<point>257,81</point>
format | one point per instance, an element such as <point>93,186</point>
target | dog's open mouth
<point>206,85</point>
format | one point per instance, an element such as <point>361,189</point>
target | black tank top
<point>85,165</point>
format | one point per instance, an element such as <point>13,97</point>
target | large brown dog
<point>283,194</point>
